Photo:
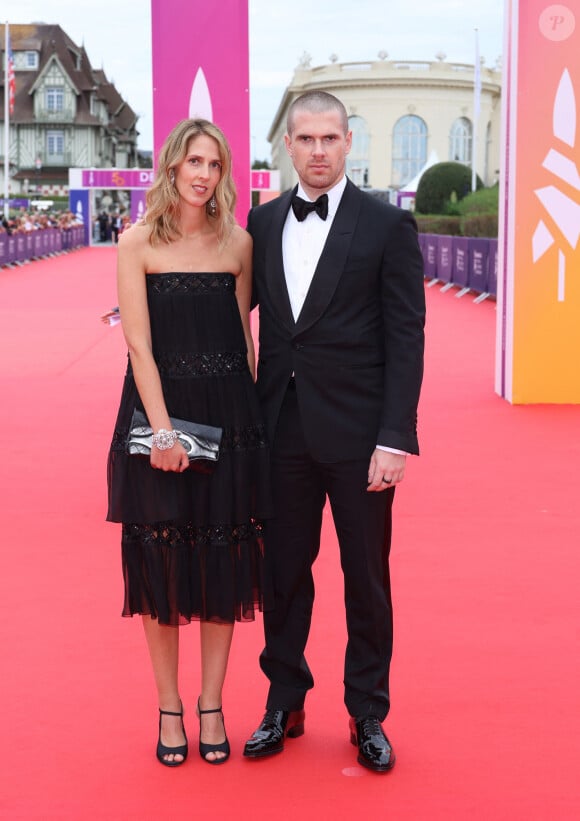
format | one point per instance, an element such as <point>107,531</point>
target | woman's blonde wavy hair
<point>162,199</point>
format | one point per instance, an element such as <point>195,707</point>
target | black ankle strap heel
<point>204,749</point>
<point>162,750</point>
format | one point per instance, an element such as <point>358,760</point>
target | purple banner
<point>3,249</point>
<point>114,178</point>
<point>445,258</point>
<point>430,245</point>
<point>479,252</point>
<point>473,261</point>
<point>461,261</point>
<point>79,204</point>
<point>15,203</point>
<point>137,205</point>
<point>20,248</point>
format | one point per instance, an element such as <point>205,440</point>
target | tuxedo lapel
<point>332,260</point>
<point>276,281</point>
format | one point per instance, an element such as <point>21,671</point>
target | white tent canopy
<point>412,185</point>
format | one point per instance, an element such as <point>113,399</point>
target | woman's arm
<point>132,292</point>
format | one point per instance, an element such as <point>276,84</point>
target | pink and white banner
<point>201,69</point>
<point>116,178</point>
<point>538,329</point>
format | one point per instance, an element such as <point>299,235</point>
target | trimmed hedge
<point>477,225</point>
<point>442,186</point>
<point>476,216</point>
<point>480,225</point>
<point>435,224</point>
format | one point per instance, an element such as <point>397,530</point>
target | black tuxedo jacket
<point>356,349</point>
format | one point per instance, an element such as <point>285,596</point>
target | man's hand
<point>385,470</point>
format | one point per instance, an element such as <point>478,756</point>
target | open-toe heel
<point>204,749</point>
<point>162,750</point>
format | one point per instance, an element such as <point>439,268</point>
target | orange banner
<point>539,268</point>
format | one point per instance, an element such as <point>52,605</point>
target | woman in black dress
<point>191,542</point>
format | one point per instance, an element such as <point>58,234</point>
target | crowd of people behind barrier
<point>26,235</point>
<point>24,221</point>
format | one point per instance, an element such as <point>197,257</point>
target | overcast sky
<point>117,37</point>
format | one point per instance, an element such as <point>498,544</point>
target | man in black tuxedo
<point>340,287</point>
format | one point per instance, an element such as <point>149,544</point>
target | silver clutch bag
<point>201,442</point>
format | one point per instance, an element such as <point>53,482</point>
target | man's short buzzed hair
<point>316,102</point>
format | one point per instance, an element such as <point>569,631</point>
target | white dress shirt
<point>302,244</point>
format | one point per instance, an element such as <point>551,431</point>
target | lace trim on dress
<point>166,534</point>
<point>190,283</point>
<point>176,365</point>
<point>247,438</point>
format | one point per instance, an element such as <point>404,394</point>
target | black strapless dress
<point>192,543</point>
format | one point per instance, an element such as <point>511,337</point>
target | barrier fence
<point>467,263</point>
<point>16,249</point>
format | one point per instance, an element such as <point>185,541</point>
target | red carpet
<point>485,568</point>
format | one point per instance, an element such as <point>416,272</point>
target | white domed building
<point>403,115</point>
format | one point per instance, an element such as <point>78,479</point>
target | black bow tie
<point>302,207</point>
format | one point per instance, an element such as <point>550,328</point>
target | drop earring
<point>212,206</point>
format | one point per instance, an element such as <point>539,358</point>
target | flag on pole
<point>9,93</point>
<point>11,79</point>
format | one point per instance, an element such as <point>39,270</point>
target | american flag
<point>10,73</point>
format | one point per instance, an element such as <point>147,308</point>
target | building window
<point>54,145</point>
<point>409,149</point>
<point>460,141</point>
<point>25,60</point>
<point>357,161</point>
<point>54,98</point>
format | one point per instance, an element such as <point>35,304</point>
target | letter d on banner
<point>538,332</point>
<point>201,69</point>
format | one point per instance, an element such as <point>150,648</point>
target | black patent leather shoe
<point>374,749</point>
<point>269,737</point>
